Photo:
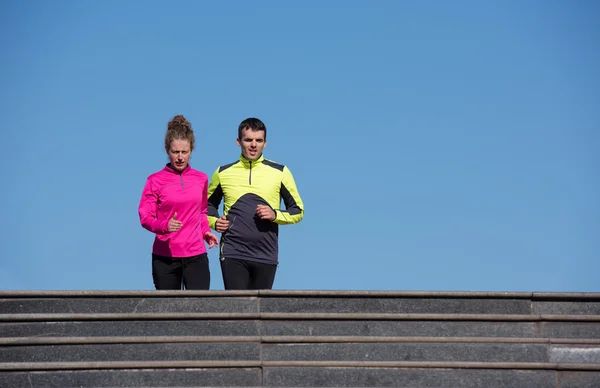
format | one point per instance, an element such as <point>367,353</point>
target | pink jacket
<point>167,192</point>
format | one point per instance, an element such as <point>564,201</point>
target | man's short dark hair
<point>253,124</point>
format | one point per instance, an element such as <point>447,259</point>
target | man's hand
<point>174,225</point>
<point>222,224</point>
<point>211,239</point>
<point>265,212</point>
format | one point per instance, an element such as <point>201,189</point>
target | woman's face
<point>179,154</point>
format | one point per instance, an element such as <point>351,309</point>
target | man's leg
<point>166,273</point>
<point>262,276</point>
<point>196,273</point>
<point>236,274</point>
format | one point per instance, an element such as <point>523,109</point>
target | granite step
<point>298,338</point>
<point>54,317</point>
<point>228,351</point>
<point>433,328</point>
<point>131,328</point>
<point>430,351</point>
<point>125,305</point>
<point>443,377</point>
<point>449,304</point>
<point>171,377</point>
<point>337,375</point>
<point>302,302</point>
<point>398,325</point>
<point>442,350</point>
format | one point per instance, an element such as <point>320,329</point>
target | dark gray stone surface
<point>131,352</point>
<point>151,293</point>
<point>399,328</point>
<point>406,352</point>
<point>579,379</point>
<point>217,377</point>
<point>394,305</point>
<point>567,307</point>
<point>129,305</point>
<point>129,328</point>
<point>570,329</point>
<point>406,377</point>
<point>575,353</point>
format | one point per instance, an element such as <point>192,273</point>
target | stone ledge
<point>113,365</point>
<point>130,365</point>
<point>304,293</point>
<point>195,377</point>
<point>298,339</point>
<point>295,317</point>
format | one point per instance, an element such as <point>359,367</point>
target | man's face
<point>252,143</point>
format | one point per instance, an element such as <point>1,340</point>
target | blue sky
<point>444,146</point>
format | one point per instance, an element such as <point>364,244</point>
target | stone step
<point>15,341</point>
<point>79,302</point>
<point>417,377</point>
<point>433,328</point>
<point>397,327</point>
<point>298,338</point>
<point>228,351</point>
<point>122,305</point>
<point>311,375</point>
<point>426,305</point>
<point>467,352</point>
<point>52,317</point>
<point>211,364</point>
<point>131,328</point>
<point>256,351</point>
<point>172,377</point>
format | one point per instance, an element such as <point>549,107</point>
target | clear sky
<point>437,145</point>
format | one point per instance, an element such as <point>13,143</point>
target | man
<point>252,188</point>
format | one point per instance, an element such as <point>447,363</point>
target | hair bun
<point>179,128</point>
<point>179,121</point>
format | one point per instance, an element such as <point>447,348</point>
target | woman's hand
<point>211,239</point>
<point>174,225</point>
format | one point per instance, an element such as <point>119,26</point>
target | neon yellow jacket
<point>244,185</point>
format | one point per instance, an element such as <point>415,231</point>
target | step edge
<point>15,341</point>
<point>34,317</point>
<point>47,366</point>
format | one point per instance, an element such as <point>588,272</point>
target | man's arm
<point>294,208</point>
<point>215,195</point>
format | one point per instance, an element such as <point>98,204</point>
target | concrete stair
<point>298,339</point>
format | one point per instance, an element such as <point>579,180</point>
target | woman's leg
<point>166,272</point>
<point>196,273</point>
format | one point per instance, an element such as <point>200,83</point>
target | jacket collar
<point>169,169</point>
<point>247,162</point>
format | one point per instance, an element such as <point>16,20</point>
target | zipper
<point>222,244</point>
<point>181,179</point>
<point>225,233</point>
<point>222,247</point>
<point>250,177</point>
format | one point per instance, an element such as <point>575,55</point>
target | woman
<point>174,207</point>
